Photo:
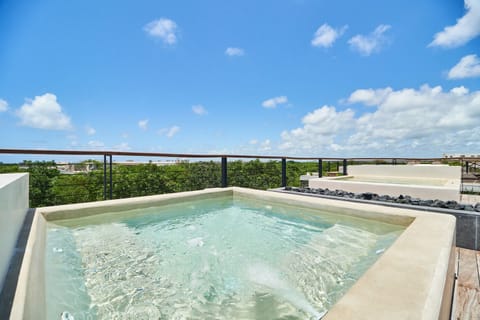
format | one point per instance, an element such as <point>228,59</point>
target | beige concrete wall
<point>13,208</point>
<point>413,171</point>
<point>422,192</point>
<point>29,302</point>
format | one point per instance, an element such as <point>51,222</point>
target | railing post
<point>344,167</point>
<point>466,166</point>
<point>329,167</point>
<point>284,172</point>
<point>111,178</point>
<point>320,168</point>
<point>224,173</point>
<point>104,177</point>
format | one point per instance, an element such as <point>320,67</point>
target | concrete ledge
<point>29,301</point>
<point>395,190</point>
<point>10,285</point>
<point>429,171</point>
<point>444,181</point>
<point>14,207</point>
<point>78,210</point>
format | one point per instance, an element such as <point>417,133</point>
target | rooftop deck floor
<point>467,295</point>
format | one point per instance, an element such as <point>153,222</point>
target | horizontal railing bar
<point>192,155</point>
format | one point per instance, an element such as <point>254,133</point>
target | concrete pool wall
<point>13,208</point>
<point>444,181</point>
<point>413,279</point>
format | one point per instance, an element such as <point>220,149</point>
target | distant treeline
<point>48,186</point>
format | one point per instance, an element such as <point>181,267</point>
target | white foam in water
<point>270,278</point>
<point>196,242</point>
<point>66,316</point>
<point>118,270</point>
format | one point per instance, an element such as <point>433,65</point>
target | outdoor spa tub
<point>236,253</point>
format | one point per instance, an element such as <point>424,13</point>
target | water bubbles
<point>143,312</point>
<point>210,294</point>
<point>65,315</point>
<point>196,242</point>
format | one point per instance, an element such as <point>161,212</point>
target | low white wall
<point>13,208</point>
<point>394,190</point>
<point>411,171</point>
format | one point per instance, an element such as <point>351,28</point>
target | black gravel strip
<point>403,201</point>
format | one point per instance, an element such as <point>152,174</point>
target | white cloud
<point>373,42</point>
<point>122,147</point>
<point>232,52</point>
<point>266,145</point>
<point>164,29</point>
<point>467,67</point>
<point>369,97</point>
<point>325,36</point>
<point>253,142</point>
<point>426,121</point>
<point>199,109</point>
<point>169,132</point>
<point>143,124</point>
<point>44,112</point>
<point>466,28</point>
<point>459,91</point>
<point>319,129</point>
<point>173,131</point>
<point>95,144</point>
<point>90,131</point>
<point>274,102</point>
<point>3,105</point>
<point>73,140</point>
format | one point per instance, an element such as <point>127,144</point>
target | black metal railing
<point>112,179</point>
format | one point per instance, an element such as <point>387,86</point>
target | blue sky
<point>297,77</point>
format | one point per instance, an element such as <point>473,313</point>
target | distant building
<point>72,168</point>
<point>157,163</point>
<point>461,155</point>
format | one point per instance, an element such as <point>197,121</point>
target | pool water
<point>209,259</point>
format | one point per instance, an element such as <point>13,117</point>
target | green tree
<point>79,187</point>
<point>41,182</point>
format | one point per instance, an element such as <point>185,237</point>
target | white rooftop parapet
<point>13,208</point>
<point>433,171</point>
<point>428,182</point>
